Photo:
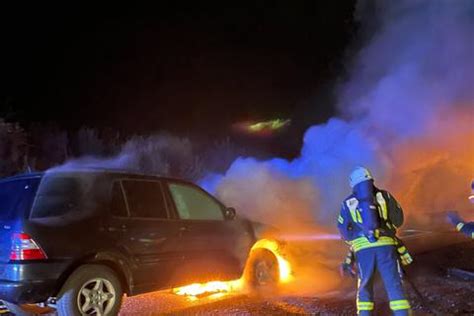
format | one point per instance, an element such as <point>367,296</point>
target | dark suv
<point>81,239</point>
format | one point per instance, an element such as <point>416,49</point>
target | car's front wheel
<point>262,272</point>
<point>90,290</point>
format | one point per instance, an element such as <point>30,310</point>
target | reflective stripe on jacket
<point>390,212</point>
<point>362,243</point>
<point>466,228</point>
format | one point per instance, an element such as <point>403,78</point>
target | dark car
<point>81,239</point>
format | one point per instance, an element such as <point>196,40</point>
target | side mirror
<point>229,213</point>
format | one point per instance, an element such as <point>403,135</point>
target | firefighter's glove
<point>453,218</point>
<point>405,257</point>
<point>347,268</point>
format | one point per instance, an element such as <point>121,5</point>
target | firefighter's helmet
<point>359,175</point>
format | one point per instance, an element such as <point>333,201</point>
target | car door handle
<point>183,229</point>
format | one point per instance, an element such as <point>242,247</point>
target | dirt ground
<point>441,294</point>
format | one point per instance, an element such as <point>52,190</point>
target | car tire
<point>90,288</point>
<point>262,272</point>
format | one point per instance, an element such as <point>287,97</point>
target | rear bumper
<point>27,292</point>
<point>32,282</point>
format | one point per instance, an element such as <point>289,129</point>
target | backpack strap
<point>352,205</point>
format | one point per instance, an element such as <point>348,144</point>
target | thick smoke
<point>406,112</point>
<point>161,154</point>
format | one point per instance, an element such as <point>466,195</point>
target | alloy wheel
<point>96,297</point>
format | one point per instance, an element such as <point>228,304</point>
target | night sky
<point>187,70</point>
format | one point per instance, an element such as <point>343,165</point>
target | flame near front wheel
<point>217,289</point>
<point>286,274</point>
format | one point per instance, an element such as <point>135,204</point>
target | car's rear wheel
<point>262,273</point>
<point>90,290</point>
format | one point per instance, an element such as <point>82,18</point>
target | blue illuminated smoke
<point>416,70</point>
<point>328,154</point>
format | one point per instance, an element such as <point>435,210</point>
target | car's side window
<point>60,196</point>
<point>192,203</point>
<point>117,205</point>
<point>145,199</point>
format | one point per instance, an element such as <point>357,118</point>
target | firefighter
<point>368,222</point>
<point>461,226</point>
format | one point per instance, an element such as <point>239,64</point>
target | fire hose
<point>423,300</point>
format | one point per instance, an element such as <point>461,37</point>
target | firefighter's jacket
<point>349,220</point>
<point>466,228</point>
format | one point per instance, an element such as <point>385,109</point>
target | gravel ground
<point>442,294</point>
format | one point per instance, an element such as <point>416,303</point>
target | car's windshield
<point>16,197</point>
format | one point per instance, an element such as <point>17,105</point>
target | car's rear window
<point>16,197</point>
<point>60,195</point>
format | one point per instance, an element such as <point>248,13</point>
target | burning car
<point>78,240</point>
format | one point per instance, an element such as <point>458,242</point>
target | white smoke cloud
<point>161,154</point>
<point>418,64</point>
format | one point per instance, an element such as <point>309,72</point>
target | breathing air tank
<point>364,193</point>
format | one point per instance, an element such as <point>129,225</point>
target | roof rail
<point>103,169</point>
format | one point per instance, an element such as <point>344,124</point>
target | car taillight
<point>25,248</point>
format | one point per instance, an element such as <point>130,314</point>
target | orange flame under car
<point>217,289</point>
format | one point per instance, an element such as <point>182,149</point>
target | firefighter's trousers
<point>384,261</point>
